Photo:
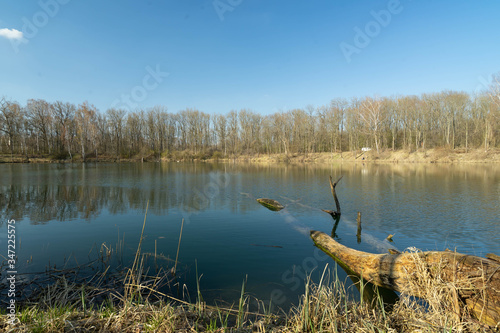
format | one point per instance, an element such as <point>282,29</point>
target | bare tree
<point>245,121</point>
<point>220,125</point>
<point>86,120</point>
<point>311,129</point>
<point>282,130</point>
<point>267,134</point>
<point>40,118</point>
<point>494,89</point>
<point>10,121</point>
<point>233,132</point>
<point>372,116</point>
<point>134,128</point>
<point>100,133</point>
<point>64,117</point>
<point>335,118</point>
<point>116,124</point>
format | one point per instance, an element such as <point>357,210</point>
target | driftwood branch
<point>476,280</point>
<point>334,194</point>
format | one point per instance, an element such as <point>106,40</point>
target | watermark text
<point>11,271</point>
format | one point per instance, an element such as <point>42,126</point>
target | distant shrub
<point>203,155</point>
<point>165,154</point>
<point>282,158</point>
<point>62,155</point>
<point>217,155</point>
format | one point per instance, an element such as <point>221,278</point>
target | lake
<point>65,212</point>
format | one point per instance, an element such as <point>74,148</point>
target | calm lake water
<point>65,212</point>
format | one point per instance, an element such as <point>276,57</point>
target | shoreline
<point>324,307</point>
<point>437,155</point>
<point>387,156</point>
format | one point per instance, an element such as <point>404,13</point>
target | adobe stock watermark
<point>223,6</point>
<point>31,26</point>
<point>139,93</point>
<point>11,271</point>
<point>363,37</point>
<point>294,277</point>
<point>204,195</point>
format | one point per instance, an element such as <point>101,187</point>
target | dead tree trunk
<point>475,280</point>
<point>337,203</point>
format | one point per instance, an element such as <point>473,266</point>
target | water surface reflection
<point>65,209</point>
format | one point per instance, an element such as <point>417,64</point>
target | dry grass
<point>438,155</point>
<point>106,319</point>
<point>442,310</point>
<point>441,297</point>
<point>325,307</point>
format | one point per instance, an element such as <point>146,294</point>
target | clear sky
<point>262,55</point>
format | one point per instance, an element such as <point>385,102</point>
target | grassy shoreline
<point>324,307</point>
<point>130,300</point>
<point>387,156</point>
<point>438,155</point>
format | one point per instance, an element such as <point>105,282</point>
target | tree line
<point>448,119</point>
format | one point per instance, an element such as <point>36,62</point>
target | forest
<point>61,130</point>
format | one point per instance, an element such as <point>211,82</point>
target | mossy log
<point>270,204</point>
<point>475,280</point>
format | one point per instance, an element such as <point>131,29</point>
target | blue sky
<point>262,55</point>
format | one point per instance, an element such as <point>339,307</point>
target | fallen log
<point>474,280</point>
<point>270,204</point>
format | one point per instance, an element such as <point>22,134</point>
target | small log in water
<point>270,204</point>
<point>475,279</point>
